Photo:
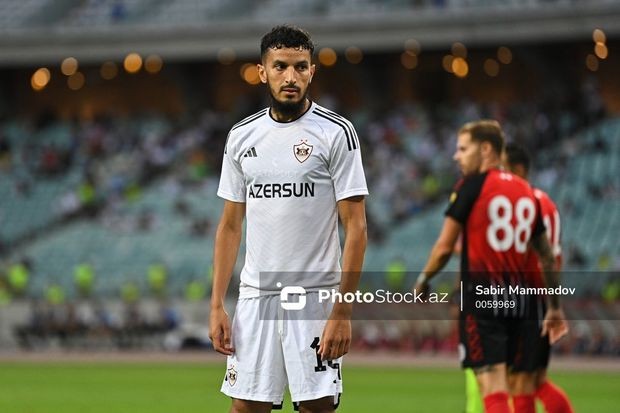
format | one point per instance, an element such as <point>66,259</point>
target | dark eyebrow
<point>301,62</point>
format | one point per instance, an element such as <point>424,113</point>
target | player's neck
<point>488,164</point>
<point>280,116</point>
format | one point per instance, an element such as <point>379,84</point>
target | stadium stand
<point>138,218</point>
<point>123,191</point>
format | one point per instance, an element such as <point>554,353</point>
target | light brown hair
<point>486,130</point>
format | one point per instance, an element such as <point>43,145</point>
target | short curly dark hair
<point>286,36</point>
<point>517,155</point>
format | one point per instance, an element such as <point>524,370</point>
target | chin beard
<point>288,109</point>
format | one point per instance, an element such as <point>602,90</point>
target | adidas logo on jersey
<point>251,153</point>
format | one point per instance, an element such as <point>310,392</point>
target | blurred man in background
<point>536,383</point>
<point>499,218</point>
<point>292,169</point>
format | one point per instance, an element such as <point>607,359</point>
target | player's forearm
<point>552,279</point>
<point>352,263</point>
<point>227,241</point>
<point>442,249</point>
<point>551,275</point>
<point>439,257</point>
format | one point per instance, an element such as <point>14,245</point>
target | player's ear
<point>262,73</point>
<point>312,70</point>
<point>486,148</point>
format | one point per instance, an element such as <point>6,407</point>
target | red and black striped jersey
<point>499,215</point>
<point>551,219</point>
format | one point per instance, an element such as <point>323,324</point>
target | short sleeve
<point>232,182</point>
<point>464,196</point>
<point>346,169</point>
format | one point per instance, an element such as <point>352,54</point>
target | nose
<point>455,156</point>
<point>289,75</point>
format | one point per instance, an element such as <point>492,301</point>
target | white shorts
<point>275,348</point>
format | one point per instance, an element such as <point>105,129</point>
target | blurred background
<point>114,114</point>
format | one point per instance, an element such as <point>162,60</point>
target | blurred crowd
<point>408,156</point>
<point>407,148</point>
<point>89,324</point>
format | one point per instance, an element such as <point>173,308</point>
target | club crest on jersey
<point>302,151</point>
<point>231,376</point>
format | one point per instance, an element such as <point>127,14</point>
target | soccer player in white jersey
<point>292,170</point>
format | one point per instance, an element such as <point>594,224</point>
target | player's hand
<point>219,331</point>
<point>336,339</point>
<point>554,325</point>
<point>421,287</point>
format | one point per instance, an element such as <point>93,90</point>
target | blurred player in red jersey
<point>499,219</point>
<point>536,383</point>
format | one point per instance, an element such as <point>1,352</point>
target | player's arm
<point>441,252</point>
<point>337,333</point>
<point>227,241</point>
<point>555,322</point>
<point>461,204</point>
<point>542,247</point>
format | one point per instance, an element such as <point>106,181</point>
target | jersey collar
<point>278,124</point>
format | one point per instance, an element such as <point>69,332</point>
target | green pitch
<point>194,388</point>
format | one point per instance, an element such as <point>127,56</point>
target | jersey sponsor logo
<point>231,376</point>
<point>302,151</point>
<point>285,190</point>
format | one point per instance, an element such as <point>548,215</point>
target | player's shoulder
<point>544,198</point>
<point>469,182</point>
<point>249,123</point>
<point>510,181</point>
<point>468,188</point>
<point>245,126</point>
<point>540,194</point>
<point>327,115</point>
<point>334,125</point>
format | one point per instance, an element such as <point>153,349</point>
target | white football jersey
<point>290,175</point>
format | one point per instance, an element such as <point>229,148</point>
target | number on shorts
<point>319,363</point>
<point>525,212</point>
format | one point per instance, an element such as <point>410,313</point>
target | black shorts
<point>515,342</point>
<point>532,349</point>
